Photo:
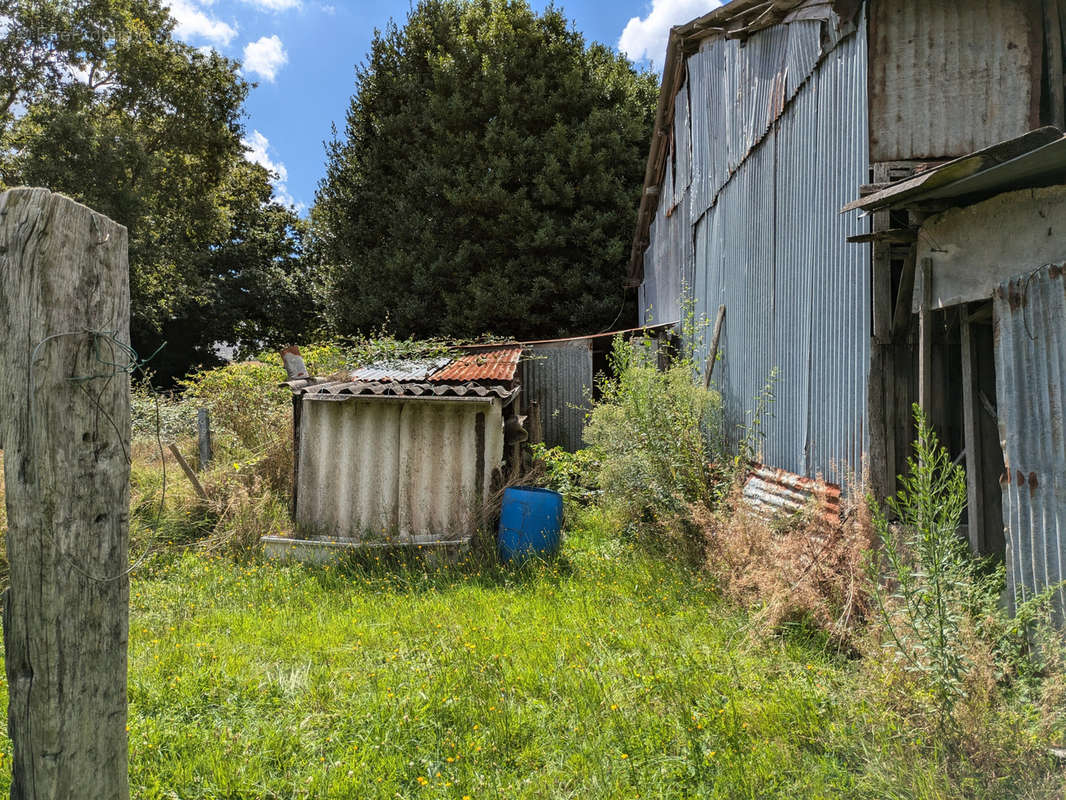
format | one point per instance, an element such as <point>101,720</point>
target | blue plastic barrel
<point>531,521</point>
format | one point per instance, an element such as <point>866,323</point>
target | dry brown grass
<point>802,569</point>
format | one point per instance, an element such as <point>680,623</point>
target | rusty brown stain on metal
<point>1004,479</point>
<point>1056,270</point>
<point>494,365</point>
<point>1033,483</point>
<point>1021,478</point>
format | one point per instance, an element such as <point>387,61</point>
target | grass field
<point>607,674</point>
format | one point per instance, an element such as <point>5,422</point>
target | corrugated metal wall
<point>383,468</point>
<point>779,144</point>
<point>558,376</point>
<point>1031,400</point>
<point>950,78</point>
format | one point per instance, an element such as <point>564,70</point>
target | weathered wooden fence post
<point>203,436</point>
<point>65,421</point>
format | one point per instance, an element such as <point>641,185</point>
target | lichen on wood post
<point>65,424</point>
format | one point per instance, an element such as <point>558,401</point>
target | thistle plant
<point>928,569</point>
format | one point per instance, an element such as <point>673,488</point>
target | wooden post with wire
<point>65,424</point>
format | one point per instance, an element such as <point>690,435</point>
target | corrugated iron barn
<point>773,117</point>
<point>400,453</point>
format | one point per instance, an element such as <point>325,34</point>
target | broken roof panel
<point>493,365</point>
<point>400,370</point>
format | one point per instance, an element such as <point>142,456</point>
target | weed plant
<point>952,660</point>
<point>655,436</point>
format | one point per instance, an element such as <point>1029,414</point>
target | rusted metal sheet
<point>557,376</point>
<point>495,365</point>
<point>776,492</point>
<point>1031,399</point>
<point>400,370</point>
<point>403,470</point>
<point>950,78</point>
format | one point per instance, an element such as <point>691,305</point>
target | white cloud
<point>257,150</point>
<point>274,5</point>
<point>265,56</point>
<point>646,38</point>
<point>194,23</point>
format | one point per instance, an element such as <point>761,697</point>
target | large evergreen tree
<point>99,101</point>
<point>488,176</point>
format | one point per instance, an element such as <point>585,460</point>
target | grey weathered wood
<point>971,438</point>
<point>712,354</point>
<point>1053,56</point>
<point>925,338</point>
<point>901,319</point>
<point>63,274</point>
<point>188,472</point>
<point>203,435</point>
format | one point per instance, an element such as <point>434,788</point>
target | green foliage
<point>246,399</point>
<point>655,436</point>
<point>570,474</point>
<point>487,176</point>
<point>941,611</point>
<point>605,675</point>
<point>99,101</point>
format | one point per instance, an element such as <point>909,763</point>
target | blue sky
<point>303,54</point>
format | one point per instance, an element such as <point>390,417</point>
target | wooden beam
<point>901,320</point>
<point>888,235</point>
<point>188,472</point>
<point>971,427</point>
<point>712,354</point>
<point>925,339</point>
<point>1053,50</point>
<point>881,271</point>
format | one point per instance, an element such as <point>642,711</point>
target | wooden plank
<point>881,270</point>
<point>188,472</point>
<point>971,438</point>
<point>64,313</point>
<point>901,320</point>
<point>925,338</point>
<point>712,354</point>
<point>881,475</point>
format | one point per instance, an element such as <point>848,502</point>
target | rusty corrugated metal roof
<point>770,492</point>
<point>493,365</point>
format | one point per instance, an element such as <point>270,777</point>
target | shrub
<point>655,437</point>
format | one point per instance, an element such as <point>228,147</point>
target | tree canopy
<point>488,176</point>
<point>99,101</point>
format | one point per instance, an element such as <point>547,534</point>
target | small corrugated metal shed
<point>401,452</point>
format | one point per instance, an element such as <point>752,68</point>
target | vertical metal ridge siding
<point>1031,400</point>
<point>559,377</point>
<point>378,467</point>
<point>772,248</point>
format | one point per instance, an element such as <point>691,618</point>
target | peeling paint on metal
<point>1031,400</point>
